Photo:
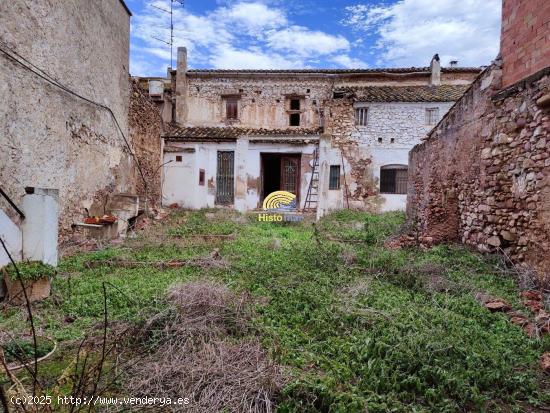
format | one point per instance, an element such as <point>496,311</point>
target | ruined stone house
<point>55,138</point>
<point>238,135</point>
<point>482,176</point>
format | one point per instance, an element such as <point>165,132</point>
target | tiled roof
<point>443,93</point>
<point>338,71</point>
<point>229,133</point>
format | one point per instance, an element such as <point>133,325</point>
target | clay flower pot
<point>35,276</point>
<point>36,290</point>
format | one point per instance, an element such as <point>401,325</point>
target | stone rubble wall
<point>482,176</point>
<point>146,127</point>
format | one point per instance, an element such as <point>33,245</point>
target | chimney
<point>453,63</point>
<point>181,86</point>
<point>435,69</point>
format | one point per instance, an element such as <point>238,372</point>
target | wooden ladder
<point>313,190</point>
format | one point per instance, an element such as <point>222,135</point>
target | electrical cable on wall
<point>25,63</point>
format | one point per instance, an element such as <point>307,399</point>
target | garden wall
<point>482,176</point>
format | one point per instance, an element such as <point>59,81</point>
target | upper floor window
<point>432,116</point>
<point>361,116</point>
<point>294,110</point>
<point>334,178</point>
<point>393,179</point>
<point>232,108</point>
<point>294,119</point>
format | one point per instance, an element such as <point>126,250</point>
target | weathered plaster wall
<point>49,138</point>
<point>262,103</point>
<point>181,179</point>
<point>483,175</point>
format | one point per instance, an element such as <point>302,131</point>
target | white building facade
<point>335,138</point>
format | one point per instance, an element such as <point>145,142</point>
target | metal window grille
<point>361,116</point>
<point>289,175</point>
<point>432,116</point>
<point>334,177</point>
<point>393,180</point>
<point>225,177</point>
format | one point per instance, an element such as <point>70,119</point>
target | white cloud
<point>348,62</point>
<point>305,42</point>
<point>253,34</point>
<point>411,31</point>
<point>253,16</point>
<point>229,58</point>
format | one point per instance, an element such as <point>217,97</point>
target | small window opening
<point>393,179</point>
<point>361,116</point>
<point>379,140</point>
<point>201,177</point>
<point>307,90</point>
<point>179,158</point>
<point>294,119</point>
<point>432,116</point>
<point>231,108</point>
<point>392,140</point>
<point>241,90</point>
<point>294,104</point>
<point>334,178</point>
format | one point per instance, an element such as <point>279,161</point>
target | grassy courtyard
<point>354,326</point>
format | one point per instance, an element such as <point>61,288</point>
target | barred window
<point>393,179</point>
<point>361,116</point>
<point>432,116</point>
<point>334,179</point>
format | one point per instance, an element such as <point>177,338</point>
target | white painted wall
<point>181,179</point>
<point>400,126</point>
<point>11,235</point>
<point>404,122</point>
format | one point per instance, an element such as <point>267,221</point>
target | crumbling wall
<point>146,127</point>
<point>393,128</point>
<point>483,175</point>
<point>262,102</point>
<point>50,138</point>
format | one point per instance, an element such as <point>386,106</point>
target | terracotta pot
<point>36,290</point>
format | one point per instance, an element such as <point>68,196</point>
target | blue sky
<point>284,34</point>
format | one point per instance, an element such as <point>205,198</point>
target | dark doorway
<point>280,172</point>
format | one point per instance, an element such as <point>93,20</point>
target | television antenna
<point>171,13</point>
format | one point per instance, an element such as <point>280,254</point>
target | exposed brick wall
<point>146,126</point>
<point>483,175</point>
<point>525,39</point>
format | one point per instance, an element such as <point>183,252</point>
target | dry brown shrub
<point>216,376</point>
<point>197,353</point>
<point>209,307</point>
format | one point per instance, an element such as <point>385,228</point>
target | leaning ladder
<point>313,190</point>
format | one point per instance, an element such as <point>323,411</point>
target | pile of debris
<point>535,326</point>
